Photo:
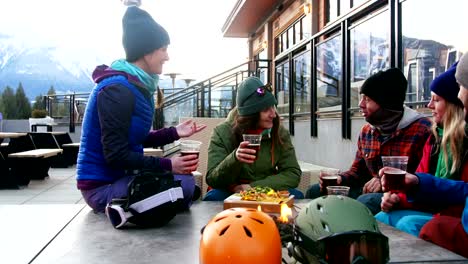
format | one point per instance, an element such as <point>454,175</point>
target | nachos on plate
<point>264,194</point>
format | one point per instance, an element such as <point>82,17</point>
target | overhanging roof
<point>246,16</point>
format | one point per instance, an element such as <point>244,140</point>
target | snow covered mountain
<point>38,68</point>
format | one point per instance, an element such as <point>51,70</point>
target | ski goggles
<point>261,91</point>
<point>354,247</point>
<point>118,216</point>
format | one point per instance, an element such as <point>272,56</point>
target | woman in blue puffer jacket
<point>119,114</point>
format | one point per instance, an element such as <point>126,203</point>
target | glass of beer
<point>254,142</point>
<point>395,175</point>
<point>329,177</point>
<point>190,147</point>
<point>338,190</point>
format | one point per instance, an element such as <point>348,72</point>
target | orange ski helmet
<point>240,235</point>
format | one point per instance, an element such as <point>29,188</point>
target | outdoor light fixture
<point>307,8</point>
<point>131,2</point>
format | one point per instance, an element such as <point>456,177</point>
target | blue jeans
<point>220,195</point>
<point>371,200</point>
<point>314,192</point>
<point>408,221</point>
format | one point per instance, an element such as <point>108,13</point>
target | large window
<point>262,67</point>
<point>328,72</point>
<point>300,30</point>
<point>282,87</point>
<point>331,9</point>
<point>430,45</point>
<point>302,85</point>
<point>369,51</point>
<point>336,8</point>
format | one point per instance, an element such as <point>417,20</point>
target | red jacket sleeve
<point>424,164</point>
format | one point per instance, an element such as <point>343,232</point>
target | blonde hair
<point>159,98</point>
<point>454,133</point>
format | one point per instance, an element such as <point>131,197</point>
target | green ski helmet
<point>338,229</point>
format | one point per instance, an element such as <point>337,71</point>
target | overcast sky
<point>90,31</point>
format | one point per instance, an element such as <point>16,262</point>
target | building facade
<point>321,51</point>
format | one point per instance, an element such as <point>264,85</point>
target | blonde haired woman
<point>444,155</point>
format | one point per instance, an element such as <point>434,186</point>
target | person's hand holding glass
<point>329,177</point>
<point>247,152</point>
<point>187,162</point>
<point>394,171</point>
<point>390,199</point>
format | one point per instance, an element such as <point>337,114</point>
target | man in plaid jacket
<point>392,130</point>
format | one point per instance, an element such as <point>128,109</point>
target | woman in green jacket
<point>232,167</point>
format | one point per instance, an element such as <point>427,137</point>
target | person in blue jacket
<point>448,231</point>
<point>450,228</point>
<point>119,114</point>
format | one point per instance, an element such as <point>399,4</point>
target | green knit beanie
<point>252,97</point>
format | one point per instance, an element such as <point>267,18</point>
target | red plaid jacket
<point>408,141</point>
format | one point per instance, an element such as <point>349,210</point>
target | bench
<point>70,153</point>
<point>204,136</point>
<point>153,152</point>
<point>310,172</point>
<point>31,164</point>
<point>70,149</point>
<point>310,175</point>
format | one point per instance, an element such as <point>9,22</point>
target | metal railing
<point>213,97</point>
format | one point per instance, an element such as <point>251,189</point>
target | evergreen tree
<point>51,90</point>
<point>22,103</point>
<point>2,110</point>
<point>39,102</point>
<point>52,101</point>
<point>9,103</point>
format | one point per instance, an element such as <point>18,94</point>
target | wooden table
<point>36,153</point>
<point>153,152</point>
<point>74,145</point>
<point>4,135</point>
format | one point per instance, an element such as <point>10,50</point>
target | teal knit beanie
<point>252,97</point>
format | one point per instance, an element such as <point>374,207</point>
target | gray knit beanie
<point>141,34</point>
<point>462,71</point>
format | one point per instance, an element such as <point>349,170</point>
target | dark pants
<point>371,200</point>
<point>98,198</point>
<point>220,195</point>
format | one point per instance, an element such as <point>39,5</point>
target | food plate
<point>235,200</point>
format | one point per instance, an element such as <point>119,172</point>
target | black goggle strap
<point>261,91</point>
<point>348,247</point>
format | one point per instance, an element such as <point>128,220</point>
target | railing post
<point>72,114</point>
<point>202,101</point>
<point>209,98</point>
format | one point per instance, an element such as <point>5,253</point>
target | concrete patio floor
<point>58,188</point>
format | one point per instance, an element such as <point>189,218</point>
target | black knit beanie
<point>387,88</point>
<point>141,34</point>
<point>252,98</point>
